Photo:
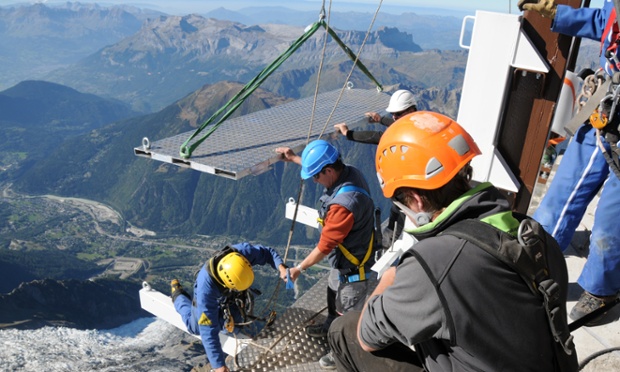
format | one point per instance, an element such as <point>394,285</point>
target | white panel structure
<point>399,247</point>
<point>498,45</point>
<point>306,215</point>
<point>162,307</point>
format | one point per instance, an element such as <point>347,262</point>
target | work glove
<point>545,8</point>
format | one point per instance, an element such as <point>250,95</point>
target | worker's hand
<point>373,117</point>
<point>288,155</point>
<point>282,270</point>
<point>546,8</point>
<point>342,128</point>
<point>295,272</point>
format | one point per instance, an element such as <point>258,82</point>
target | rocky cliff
<point>103,304</point>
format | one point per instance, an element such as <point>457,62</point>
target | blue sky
<point>182,7</point>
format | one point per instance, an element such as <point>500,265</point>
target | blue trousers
<point>582,172</point>
<point>183,306</point>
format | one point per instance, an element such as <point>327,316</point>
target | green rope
<point>352,55</point>
<point>187,149</point>
<point>234,103</point>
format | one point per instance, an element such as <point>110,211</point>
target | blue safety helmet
<point>315,156</point>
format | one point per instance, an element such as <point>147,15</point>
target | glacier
<point>146,344</point>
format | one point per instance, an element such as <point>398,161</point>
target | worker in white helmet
<point>401,103</point>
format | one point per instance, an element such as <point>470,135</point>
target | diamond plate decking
<point>285,346</point>
<point>245,145</point>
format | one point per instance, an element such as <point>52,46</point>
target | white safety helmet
<point>400,101</point>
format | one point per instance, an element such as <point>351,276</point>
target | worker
<point>584,172</point>
<point>402,102</point>
<point>220,287</point>
<point>449,298</point>
<point>347,232</point>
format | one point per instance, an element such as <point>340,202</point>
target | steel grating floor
<point>245,145</point>
<point>285,346</point>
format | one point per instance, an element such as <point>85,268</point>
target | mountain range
<point>431,28</point>
<point>73,135</point>
<point>171,56</point>
<point>36,39</point>
<point>149,59</point>
<point>35,117</point>
<point>71,303</point>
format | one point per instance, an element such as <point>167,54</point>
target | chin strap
<point>418,218</point>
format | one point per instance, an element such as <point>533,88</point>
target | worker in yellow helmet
<point>221,295</point>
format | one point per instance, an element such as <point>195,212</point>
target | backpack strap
<point>530,263</point>
<point>526,255</point>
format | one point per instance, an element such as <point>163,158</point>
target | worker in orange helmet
<point>448,304</point>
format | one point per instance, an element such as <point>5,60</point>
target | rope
<point>276,292</point>
<point>596,355</point>
<point>355,63</point>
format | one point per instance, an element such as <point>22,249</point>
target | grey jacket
<point>460,307</point>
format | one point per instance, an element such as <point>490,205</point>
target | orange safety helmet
<point>235,271</point>
<point>423,150</point>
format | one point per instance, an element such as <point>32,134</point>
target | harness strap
<point>611,23</point>
<point>355,261</point>
<point>348,255</point>
<point>351,188</point>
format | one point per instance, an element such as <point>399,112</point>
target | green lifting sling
<point>231,106</point>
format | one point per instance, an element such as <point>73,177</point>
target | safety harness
<point>359,274</point>
<point>606,119</point>
<point>244,300</point>
<point>526,255</point>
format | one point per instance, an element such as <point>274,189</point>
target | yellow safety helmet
<point>235,271</point>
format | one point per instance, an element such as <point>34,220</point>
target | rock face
<point>103,303</point>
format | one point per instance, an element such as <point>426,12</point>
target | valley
<point>95,233</point>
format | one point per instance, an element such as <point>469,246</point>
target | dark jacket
<point>461,307</point>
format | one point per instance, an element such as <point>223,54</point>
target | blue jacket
<point>207,297</point>
<point>585,22</point>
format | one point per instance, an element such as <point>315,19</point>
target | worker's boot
<point>588,303</point>
<point>176,289</point>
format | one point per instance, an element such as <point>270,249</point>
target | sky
<point>449,7</point>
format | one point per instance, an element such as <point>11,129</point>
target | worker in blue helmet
<point>346,216</point>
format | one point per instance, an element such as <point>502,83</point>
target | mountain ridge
<point>171,56</point>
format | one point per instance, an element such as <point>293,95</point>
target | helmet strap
<point>418,218</point>
<point>213,272</point>
<point>215,260</point>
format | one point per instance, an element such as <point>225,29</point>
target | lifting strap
<point>236,101</point>
<point>526,255</point>
<point>348,255</point>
